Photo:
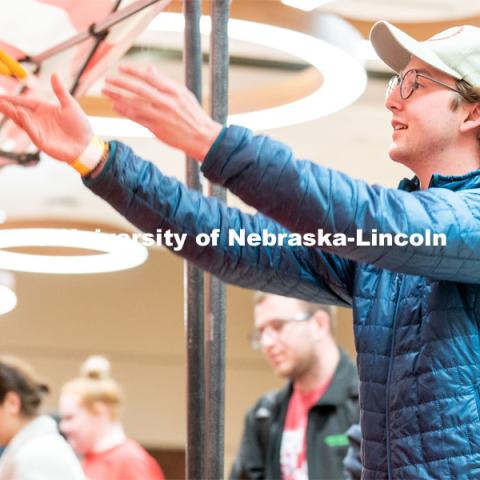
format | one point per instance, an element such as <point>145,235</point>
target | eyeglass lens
<point>273,330</point>
<point>406,83</point>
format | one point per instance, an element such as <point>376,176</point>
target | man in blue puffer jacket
<point>416,308</point>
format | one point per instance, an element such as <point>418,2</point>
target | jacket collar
<point>454,183</point>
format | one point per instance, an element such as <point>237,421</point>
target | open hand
<point>61,131</point>
<point>168,109</point>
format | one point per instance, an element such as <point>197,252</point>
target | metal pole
<point>215,318</point>
<point>194,279</point>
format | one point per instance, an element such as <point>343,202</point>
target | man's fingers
<point>122,90</point>
<point>8,110</point>
<point>22,101</point>
<point>142,114</point>
<point>135,108</point>
<point>25,121</point>
<point>19,116</point>
<point>132,87</point>
<point>62,94</point>
<point>130,113</point>
<point>112,94</point>
<point>139,103</point>
<point>151,76</point>
<point>117,96</point>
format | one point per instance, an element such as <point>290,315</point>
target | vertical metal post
<point>215,317</point>
<point>194,278</point>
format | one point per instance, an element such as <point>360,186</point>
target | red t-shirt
<point>293,451</point>
<point>127,461</point>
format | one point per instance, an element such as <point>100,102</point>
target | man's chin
<point>282,371</point>
<point>396,155</point>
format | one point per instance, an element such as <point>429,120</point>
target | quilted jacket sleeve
<point>304,197</point>
<point>151,201</point>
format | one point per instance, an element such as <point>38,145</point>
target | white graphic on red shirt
<point>293,451</point>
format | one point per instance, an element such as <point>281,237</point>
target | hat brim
<point>396,48</point>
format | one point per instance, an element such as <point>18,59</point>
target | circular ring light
<point>120,253</point>
<point>344,78</point>
<point>305,5</point>
<point>8,298</point>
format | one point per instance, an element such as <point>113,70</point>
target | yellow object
<point>14,68</point>
<point>4,70</point>
<point>80,168</point>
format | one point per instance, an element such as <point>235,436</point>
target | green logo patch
<point>336,440</point>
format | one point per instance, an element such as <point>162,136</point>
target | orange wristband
<point>91,156</point>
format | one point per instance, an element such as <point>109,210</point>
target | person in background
<point>298,432</point>
<point>34,449</point>
<point>90,407</point>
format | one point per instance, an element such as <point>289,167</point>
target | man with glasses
<point>298,432</point>
<point>416,308</point>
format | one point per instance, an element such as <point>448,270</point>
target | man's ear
<point>472,119</point>
<point>323,321</point>
<point>12,403</point>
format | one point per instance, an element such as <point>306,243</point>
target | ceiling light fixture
<point>306,5</point>
<point>8,298</point>
<point>344,79</point>
<point>118,253</point>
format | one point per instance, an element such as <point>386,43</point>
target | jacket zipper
<point>390,367</point>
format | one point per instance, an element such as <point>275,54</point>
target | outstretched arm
<point>265,174</point>
<point>151,201</point>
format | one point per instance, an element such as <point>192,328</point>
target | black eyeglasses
<point>408,84</point>
<point>274,328</point>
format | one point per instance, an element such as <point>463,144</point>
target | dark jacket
<point>416,309</point>
<point>328,420</point>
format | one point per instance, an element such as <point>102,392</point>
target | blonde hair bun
<point>95,367</point>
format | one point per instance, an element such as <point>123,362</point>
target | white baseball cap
<point>455,51</point>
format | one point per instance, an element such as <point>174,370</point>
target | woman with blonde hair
<point>90,407</point>
<point>35,450</point>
